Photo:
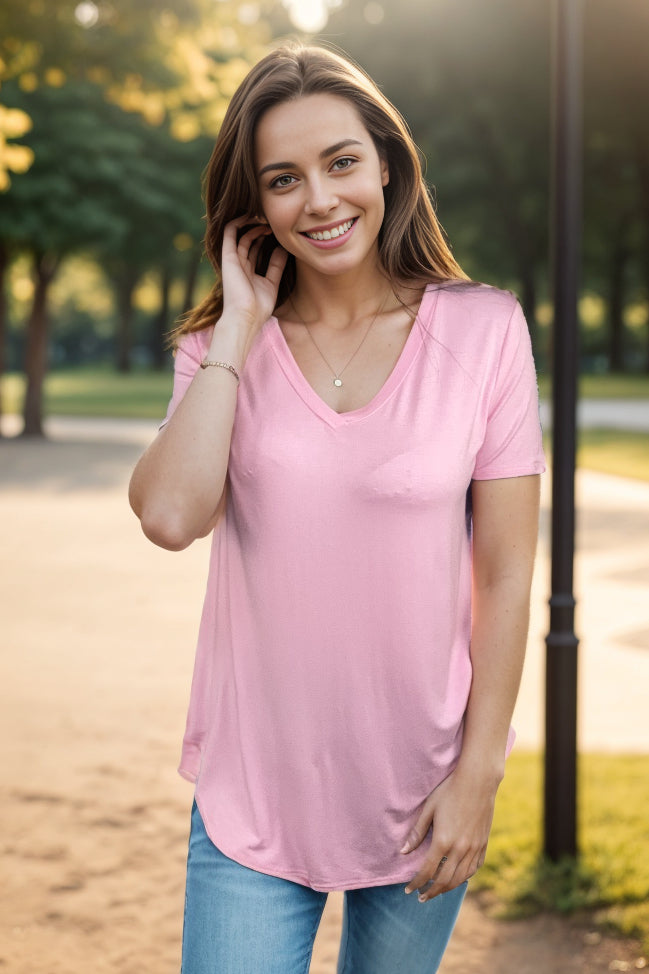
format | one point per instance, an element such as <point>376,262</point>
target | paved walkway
<point>621,414</point>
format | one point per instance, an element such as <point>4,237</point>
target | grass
<point>610,879</point>
<point>96,392</point>
<point>615,386</point>
<point>623,453</point>
<point>620,452</point>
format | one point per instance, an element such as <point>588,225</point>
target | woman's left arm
<point>460,809</point>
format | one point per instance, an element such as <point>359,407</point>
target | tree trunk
<point>642,164</point>
<point>4,264</point>
<point>125,285</point>
<point>161,320</point>
<point>646,266</point>
<point>619,260</point>
<point>45,267</point>
<point>189,300</point>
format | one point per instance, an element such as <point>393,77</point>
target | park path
<point>98,634</point>
<point>620,414</point>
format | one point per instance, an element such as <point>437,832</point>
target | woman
<point>357,423</point>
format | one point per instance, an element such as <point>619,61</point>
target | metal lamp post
<point>560,818</point>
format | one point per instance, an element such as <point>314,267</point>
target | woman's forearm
<point>178,483</point>
<point>499,636</point>
<point>505,525</point>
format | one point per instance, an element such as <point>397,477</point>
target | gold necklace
<point>337,380</point>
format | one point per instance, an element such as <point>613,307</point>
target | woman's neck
<point>339,300</point>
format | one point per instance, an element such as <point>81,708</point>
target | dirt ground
<point>93,881</point>
<point>98,629</point>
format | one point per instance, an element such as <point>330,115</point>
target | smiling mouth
<point>333,233</point>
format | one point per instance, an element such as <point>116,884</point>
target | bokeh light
<point>373,12</point>
<point>86,13</point>
<point>248,14</point>
<point>309,16</point>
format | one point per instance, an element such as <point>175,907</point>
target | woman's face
<point>321,183</point>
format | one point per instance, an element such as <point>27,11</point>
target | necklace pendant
<point>338,382</point>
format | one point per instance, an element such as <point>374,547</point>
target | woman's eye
<point>343,163</point>
<point>282,181</point>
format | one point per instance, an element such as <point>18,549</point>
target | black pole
<point>560,819</point>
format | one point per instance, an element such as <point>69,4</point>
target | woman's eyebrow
<point>323,155</point>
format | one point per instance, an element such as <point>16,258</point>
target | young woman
<point>357,423</point>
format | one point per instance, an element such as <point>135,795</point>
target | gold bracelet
<point>222,365</point>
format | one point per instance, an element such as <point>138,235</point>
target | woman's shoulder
<point>194,344</point>
<point>476,298</point>
<point>473,322</point>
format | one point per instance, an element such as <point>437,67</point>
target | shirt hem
<point>524,471</point>
<point>320,886</point>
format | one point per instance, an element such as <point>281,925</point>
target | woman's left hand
<point>461,811</point>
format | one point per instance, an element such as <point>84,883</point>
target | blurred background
<point>108,111</point>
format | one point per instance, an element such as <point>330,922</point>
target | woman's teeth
<point>333,233</point>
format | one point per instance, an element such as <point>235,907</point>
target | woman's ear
<point>385,173</point>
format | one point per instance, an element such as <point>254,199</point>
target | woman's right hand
<point>178,487</point>
<point>248,296</point>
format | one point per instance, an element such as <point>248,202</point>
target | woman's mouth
<point>333,236</point>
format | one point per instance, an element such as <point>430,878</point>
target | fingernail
<point>405,847</point>
<point>421,898</point>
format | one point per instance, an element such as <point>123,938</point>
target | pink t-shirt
<point>333,669</point>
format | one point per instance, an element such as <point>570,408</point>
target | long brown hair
<point>412,248</point>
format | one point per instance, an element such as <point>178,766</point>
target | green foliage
<point>44,35</point>
<point>102,178</point>
<point>611,876</point>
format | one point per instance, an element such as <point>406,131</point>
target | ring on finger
<point>440,865</point>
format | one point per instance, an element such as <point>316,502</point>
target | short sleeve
<point>187,359</point>
<point>512,444</point>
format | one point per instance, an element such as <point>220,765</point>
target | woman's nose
<point>320,197</point>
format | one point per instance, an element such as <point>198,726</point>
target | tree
<point>13,159</point>
<point>617,161</point>
<point>86,157</point>
<point>158,201</point>
<point>174,63</point>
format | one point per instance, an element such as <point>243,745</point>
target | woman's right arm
<point>177,487</point>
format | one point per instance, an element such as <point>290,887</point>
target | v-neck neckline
<point>316,403</point>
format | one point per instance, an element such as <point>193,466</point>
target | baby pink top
<point>333,668</point>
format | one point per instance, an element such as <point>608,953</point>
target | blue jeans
<point>239,921</point>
